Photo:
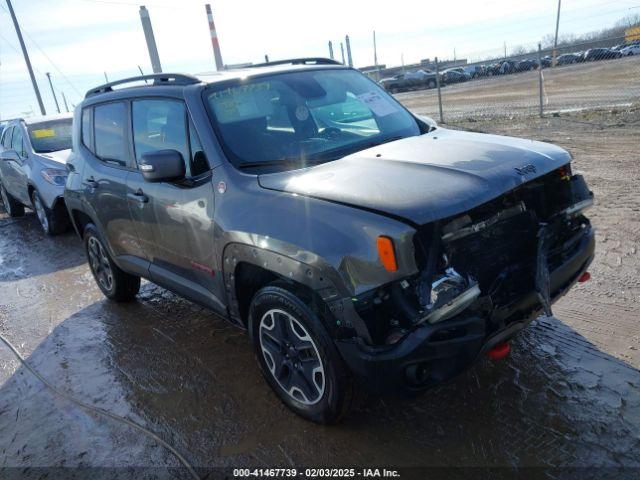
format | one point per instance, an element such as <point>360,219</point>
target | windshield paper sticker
<point>379,105</point>
<point>44,133</point>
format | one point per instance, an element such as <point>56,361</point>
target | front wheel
<point>298,357</point>
<point>53,221</point>
<point>115,283</point>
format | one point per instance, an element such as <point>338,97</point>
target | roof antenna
<point>142,73</point>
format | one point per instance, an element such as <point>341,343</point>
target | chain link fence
<point>602,74</point>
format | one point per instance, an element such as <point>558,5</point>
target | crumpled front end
<point>484,275</point>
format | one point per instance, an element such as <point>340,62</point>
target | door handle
<point>91,183</point>
<point>138,197</point>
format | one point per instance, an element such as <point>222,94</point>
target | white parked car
<point>630,50</point>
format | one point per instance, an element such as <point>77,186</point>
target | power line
<point>47,57</point>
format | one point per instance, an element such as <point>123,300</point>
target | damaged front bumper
<point>435,352</point>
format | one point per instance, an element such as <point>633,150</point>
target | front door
<point>174,220</point>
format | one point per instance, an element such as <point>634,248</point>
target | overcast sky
<point>84,38</point>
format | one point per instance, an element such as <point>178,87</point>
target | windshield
<point>50,136</point>
<point>301,118</point>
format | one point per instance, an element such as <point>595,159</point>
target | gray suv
<point>33,155</point>
<point>362,247</point>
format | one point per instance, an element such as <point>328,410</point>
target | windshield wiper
<point>375,143</point>
<point>320,157</point>
<point>299,163</point>
<point>353,148</point>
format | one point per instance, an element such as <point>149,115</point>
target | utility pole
<point>342,51</point>
<point>349,58</point>
<point>505,50</point>
<point>105,77</point>
<point>555,41</point>
<point>26,58</point>
<point>330,50</point>
<point>64,99</point>
<point>151,39</point>
<point>214,39</point>
<point>375,56</point>
<point>53,92</point>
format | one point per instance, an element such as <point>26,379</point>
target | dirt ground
<point>590,85</point>
<point>564,404</point>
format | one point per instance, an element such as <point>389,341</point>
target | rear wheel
<point>53,221</point>
<point>431,84</point>
<point>13,207</point>
<point>298,357</point>
<point>115,283</point>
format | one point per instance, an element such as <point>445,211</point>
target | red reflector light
<point>498,352</point>
<point>585,277</point>
<point>565,172</point>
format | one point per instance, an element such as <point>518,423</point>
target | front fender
<point>288,261</point>
<point>339,240</point>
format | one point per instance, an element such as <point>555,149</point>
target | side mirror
<point>162,166</point>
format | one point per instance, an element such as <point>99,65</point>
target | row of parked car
<point>361,246</point>
<point>427,79</point>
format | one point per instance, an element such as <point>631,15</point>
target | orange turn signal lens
<point>387,254</point>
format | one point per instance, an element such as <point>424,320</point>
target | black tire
<point>53,221</point>
<point>276,306</point>
<point>431,84</point>
<point>13,207</point>
<point>115,283</point>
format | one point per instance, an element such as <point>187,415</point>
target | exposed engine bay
<point>485,260</point>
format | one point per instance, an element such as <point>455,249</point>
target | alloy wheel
<point>42,215</point>
<point>5,199</point>
<point>99,263</point>
<point>292,356</point>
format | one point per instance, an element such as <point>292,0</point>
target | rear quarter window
<point>86,128</point>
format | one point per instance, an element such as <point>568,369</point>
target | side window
<point>109,132</point>
<point>6,139</point>
<point>86,127</point>
<point>199,162</point>
<point>160,125</point>
<point>17,143</point>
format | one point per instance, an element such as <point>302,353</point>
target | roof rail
<point>158,79</point>
<point>300,61</point>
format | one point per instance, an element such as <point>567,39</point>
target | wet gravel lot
<point>564,404</point>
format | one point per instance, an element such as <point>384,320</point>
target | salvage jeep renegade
<point>362,247</point>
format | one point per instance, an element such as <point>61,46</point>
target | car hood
<point>427,177</point>
<point>60,156</point>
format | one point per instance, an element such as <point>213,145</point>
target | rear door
<point>14,173</point>
<point>174,219</point>
<point>108,161</point>
<point>6,145</point>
